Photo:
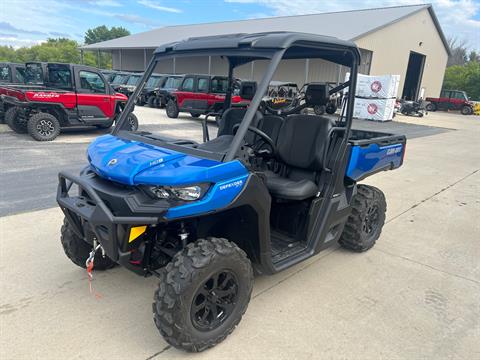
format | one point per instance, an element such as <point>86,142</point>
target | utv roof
<point>11,63</point>
<point>263,45</point>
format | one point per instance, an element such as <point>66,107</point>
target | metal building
<point>403,40</point>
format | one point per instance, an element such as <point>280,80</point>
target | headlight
<point>185,193</point>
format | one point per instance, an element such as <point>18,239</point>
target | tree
<point>473,56</point>
<point>102,33</point>
<point>466,78</point>
<point>7,53</point>
<point>458,51</point>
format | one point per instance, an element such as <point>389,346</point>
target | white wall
<point>391,48</point>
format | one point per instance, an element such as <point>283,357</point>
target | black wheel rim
<point>131,123</point>
<point>371,220</point>
<point>214,301</point>
<point>45,127</point>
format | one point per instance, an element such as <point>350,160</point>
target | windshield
<point>180,118</point>
<point>33,74</point>
<point>153,82</point>
<point>133,80</point>
<point>119,79</point>
<point>173,83</point>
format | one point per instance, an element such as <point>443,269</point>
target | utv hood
<point>136,163</point>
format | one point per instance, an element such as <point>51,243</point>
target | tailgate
<point>371,152</point>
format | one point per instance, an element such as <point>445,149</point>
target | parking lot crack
<point>431,196</point>
<point>428,266</point>
<point>158,353</point>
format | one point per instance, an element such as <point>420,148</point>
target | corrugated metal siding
<point>197,65</point>
<point>392,45</point>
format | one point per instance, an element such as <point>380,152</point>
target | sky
<point>25,23</point>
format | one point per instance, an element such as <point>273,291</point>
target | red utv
<point>200,95</point>
<point>451,100</point>
<point>72,95</point>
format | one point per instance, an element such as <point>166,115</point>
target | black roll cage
<point>294,46</point>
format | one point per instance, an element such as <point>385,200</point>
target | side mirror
<point>248,89</point>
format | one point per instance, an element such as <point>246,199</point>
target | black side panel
<point>198,105</point>
<point>87,112</point>
<point>246,222</point>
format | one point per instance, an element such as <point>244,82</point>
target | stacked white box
<point>375,96</point>
<point>374,109</point>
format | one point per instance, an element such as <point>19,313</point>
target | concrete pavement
<point>415,295</point>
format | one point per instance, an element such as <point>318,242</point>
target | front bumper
<point>107,210</point>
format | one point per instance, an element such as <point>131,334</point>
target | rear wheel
<point>151,101</point>
<point>431,107</point>
<point>203,293</point>
<point>15,120</point>
<point>78,250</point>
<point>172,109</point>
<point>43,127</point>
<point>366,220</point>
<point>466,110</point>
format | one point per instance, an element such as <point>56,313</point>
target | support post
<point>307,69</point>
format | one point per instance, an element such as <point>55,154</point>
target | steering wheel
<point>266,139</point>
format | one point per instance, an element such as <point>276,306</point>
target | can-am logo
<point>44,95</point>
<point>376,86</point>
<point>372,109</point>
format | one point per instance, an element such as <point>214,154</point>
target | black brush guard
<point>91,213</point>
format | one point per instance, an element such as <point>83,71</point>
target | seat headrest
<point>302,141</point>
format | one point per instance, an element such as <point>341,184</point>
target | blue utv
<point>270,191</point>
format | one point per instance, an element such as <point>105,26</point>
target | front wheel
<point>431,107</point>
<point>43,127</point>
<point>172,109</point>
<point>203,293</point>
<point>78,250</point>
<point>466,110</point>
<point>366,220</point>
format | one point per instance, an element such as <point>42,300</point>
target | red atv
<point>200,95</point>
<point>451,100</point>
<point>72,95</point>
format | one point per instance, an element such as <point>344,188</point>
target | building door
<point>413,78</point>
